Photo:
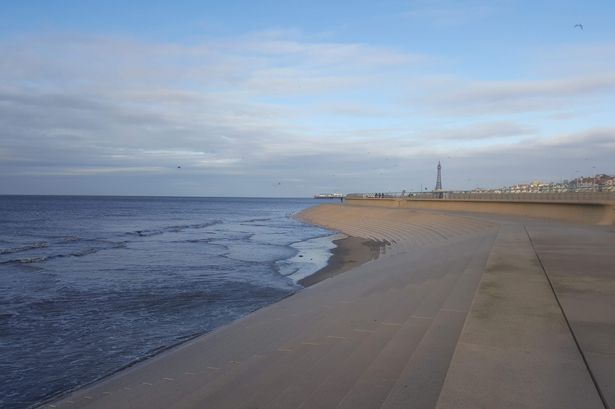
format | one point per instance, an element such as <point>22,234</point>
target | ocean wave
<point>36,245</point>
<point>172,229</point>
<point>29,260</point>
<point>256,220</point>
<point>84,252</point>
<point>79,253</point>
<point>259,253</point>
<point>69,239</point>
<point>5,315</point>
<point>212,241</point>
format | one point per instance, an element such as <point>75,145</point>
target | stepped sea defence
<point>404,330</point>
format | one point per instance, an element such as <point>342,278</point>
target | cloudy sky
<point>293,98</point>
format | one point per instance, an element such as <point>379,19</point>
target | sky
<point>291,99</point>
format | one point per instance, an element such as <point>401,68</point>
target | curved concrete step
<point>418,384</point>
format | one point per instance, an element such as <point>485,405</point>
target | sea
<point>90,285</point>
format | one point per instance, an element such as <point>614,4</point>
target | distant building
<point>329,196</point>
<point>597,183</point>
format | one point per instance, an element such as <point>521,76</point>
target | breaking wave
<point>172,229</point>
<point>36,245</point>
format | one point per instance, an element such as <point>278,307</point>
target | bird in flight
<point>578,26</point>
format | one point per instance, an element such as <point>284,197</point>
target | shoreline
<point>349,252</point>
<point>460,312</point>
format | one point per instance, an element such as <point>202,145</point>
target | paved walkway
<point>516,350</point>
<point>393,333</point>
<point>580,263</point>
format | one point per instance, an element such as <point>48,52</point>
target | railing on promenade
<point>572,196</point>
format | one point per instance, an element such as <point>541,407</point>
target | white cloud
<point>261,106</point>
<point>478,131</point>
<point>489,97</point>
<point>85,171</point>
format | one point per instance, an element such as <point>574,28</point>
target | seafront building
<point>597,183</point>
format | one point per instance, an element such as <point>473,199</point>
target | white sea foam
<point>313,255</point>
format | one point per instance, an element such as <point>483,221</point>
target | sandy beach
<point>456,311</point>
<point>349,252</point>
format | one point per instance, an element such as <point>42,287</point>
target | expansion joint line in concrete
<point>576,341</point>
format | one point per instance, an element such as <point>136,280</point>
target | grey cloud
<point>520,96</point>
<point>114,103</point>
<point>46,100</point>
<point>337,53</point>
<point>104,116</point>
<point>480,131</point>
<point>552,159</point>
<point>354,110</point>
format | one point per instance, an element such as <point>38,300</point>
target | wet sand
<point>349,252</point>
<point>459,311</point>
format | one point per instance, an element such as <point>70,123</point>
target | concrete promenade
<point>462,311</point>
<point>586,212</point>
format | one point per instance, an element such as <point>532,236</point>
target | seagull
<point>579,26</point>
<point>179,167</point>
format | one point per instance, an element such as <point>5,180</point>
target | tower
<point>439,179</point>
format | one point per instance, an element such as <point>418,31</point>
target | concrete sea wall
<point>580,212</point>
